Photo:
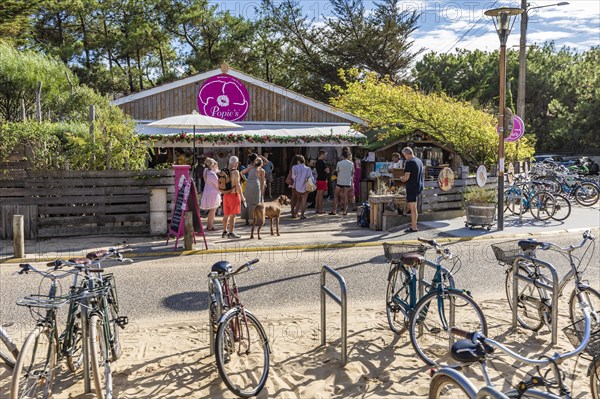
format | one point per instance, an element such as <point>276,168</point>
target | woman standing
<point>211,197</point>
<point>300,172</point>
<point>255,187</point>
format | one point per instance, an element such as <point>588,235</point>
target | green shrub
<point>479,194</point>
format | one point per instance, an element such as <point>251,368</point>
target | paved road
<point>172,288</point>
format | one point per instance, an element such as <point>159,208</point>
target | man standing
<point>415,181</point>
<point>229,186</point>
<point>322,174</point>
<point>345,174</point>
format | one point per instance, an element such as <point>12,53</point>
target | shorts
<point>321,185</point>
<point>342,186</point>
<point>411,197</point>
<point>231,204</point>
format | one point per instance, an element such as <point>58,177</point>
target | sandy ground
<point>170,358</point>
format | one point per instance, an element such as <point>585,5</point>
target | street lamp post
<point>502,17</point>
<point>522,53</point>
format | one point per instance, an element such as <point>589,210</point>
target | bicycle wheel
<point>512,201</point>
<point>73,340</point>
<point>444,386</point>
<point>594,372</point>
<point>562,207</point>
<point>592,297</point>
<point>8,349</point>
<point>242,353</point>
<point>587,194</point>
<point>397,300</point>
<point>431,321</point>
<point>34,370</point>
<point>100,358</point>
<point>541,205</point>
<point>530,304</point>
<point>113,308</point>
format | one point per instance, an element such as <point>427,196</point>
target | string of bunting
<point>249,138</point>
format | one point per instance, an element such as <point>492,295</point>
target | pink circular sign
<point>518,129</point>
<point>223,97</point>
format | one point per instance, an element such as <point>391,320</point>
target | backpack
<point>224,177</point>
<point>365,215</point>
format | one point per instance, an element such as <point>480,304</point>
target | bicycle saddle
<point>528,245</point>
<point>411,259</point>
<point>466,351</point>
<point>221,267</point>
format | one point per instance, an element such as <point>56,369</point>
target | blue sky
<point>445,25</point>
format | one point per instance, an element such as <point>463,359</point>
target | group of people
<point>346,177</point>
<point>224,188</point>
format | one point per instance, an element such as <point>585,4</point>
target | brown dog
<point>271,210</point>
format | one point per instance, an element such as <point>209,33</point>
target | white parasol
<point>193,121</point>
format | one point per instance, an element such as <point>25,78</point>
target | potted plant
<point>480,206</point>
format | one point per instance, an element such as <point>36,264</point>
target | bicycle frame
<point>543,284</point>
<point>554,361</point>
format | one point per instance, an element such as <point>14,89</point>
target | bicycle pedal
<point>122,321</point>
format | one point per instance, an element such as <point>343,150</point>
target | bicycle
<point>34,369</point>
<point>9,352</point>
<point>534,300</point>
<point>477,348</point>
<point>585,192</point>
<point>95,300</point>
<point>408,306</point>
<point>104,321</point>
<point>522,197</point>
<point>242,347</point>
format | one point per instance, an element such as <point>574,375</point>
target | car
<point>555,159</point>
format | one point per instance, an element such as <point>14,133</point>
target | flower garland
<point>249,138</point>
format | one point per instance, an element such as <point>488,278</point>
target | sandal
<point>302,217</point>
<point>211,229</point>
<point>332,213</point>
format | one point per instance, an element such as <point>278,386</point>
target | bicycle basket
<point>43,301</point>
<point>393,252</point>
<point>575,334</point>
<point>506,252</point>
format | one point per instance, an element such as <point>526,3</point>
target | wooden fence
<point>71,203</point>
<point>436,200</point>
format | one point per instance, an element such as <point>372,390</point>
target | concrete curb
<point>318,246</point>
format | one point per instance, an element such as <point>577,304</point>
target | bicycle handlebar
<point>26,268</point>
<point>245,265</point>
<point>444,252</point>
<point>587,235</point>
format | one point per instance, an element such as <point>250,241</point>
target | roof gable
<point>270,87</point>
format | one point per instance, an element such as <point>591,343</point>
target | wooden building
<point>274,119</point>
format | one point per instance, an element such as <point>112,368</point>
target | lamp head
<point>502,20</point>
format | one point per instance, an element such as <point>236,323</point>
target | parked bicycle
<point>410,300</point>
<point>93,300</point>
<point>8,349</point>
<point>241,344</point>
<point>526,195</point>
<point>477,348</point>
<point>584,191</point>
<point>35,366</point>
<point>534,300</point>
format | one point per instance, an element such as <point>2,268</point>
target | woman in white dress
<point>211,197</point>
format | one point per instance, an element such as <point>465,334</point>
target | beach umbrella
<point>193,121</point>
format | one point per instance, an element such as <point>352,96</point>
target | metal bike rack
<point>340,301</point>
<point>539,284</point>
<point>216,287</point>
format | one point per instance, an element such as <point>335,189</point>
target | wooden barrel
<point>480,213</point>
